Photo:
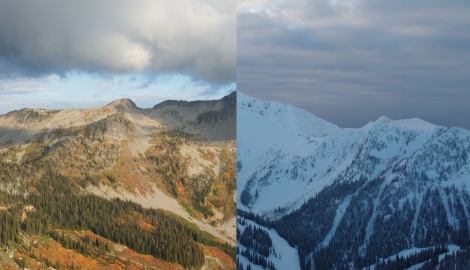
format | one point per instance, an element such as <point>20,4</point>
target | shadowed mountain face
<point>216,119</point>
<point>352,198</point>
<point>179,156</point>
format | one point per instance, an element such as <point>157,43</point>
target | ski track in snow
<point>465,211</point>
<point>289,258</point>
<point>408,252</point>
<point>370,224</point>
<point>338,217</point>
<point>414,224</point>
<point>450,219</point>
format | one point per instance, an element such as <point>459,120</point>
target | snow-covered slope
<point>266,133</point>
<point>269,124</point>
<point>341,192</point>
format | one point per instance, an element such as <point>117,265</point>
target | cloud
<point>196,38</point>
<point>25,86</point>
<point>355,60</point>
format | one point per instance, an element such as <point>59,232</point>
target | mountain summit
<point>123,103</point>
<point>413,123</point>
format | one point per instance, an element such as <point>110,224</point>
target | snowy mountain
<point>344,198</point>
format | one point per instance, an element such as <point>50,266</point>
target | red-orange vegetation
<point>53,253</point>
<point>142,222</point>
<point>128,172</point>
<point>211,155</point>
<point>139,260</point>
<point>224,257</point>
<point>181,189</point>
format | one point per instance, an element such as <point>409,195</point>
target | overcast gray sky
<point>56,53</point>
<point>350,62</point>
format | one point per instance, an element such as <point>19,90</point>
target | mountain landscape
<point>119,187</point>
<point>393,194</point>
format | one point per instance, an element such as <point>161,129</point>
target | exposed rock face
<point>215,120</point>
<point>123,104</point>
<point>27,117</point>
<point>221,115</point>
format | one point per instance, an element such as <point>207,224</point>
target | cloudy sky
<point>60,54</point>
<point>352,61</point>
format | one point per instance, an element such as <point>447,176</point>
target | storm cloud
<point>195,38</point>
<point>351,62</point>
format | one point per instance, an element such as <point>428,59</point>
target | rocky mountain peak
<point>123,103</point>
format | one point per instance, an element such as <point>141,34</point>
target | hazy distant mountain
<point>177,156</point>
<point>342,198</point>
